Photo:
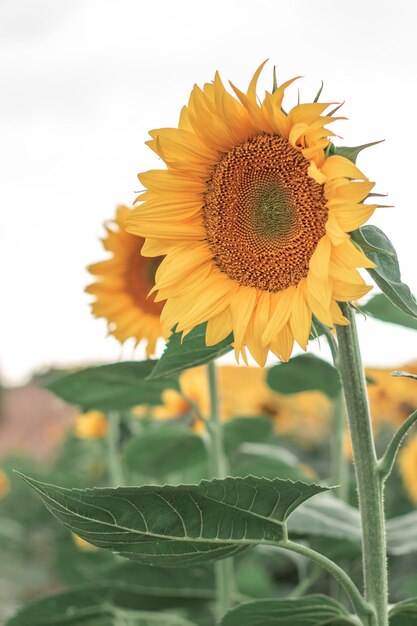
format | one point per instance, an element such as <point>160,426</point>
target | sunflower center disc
<point>263,214</point>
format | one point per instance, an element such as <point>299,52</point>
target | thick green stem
<point>339,464</point>
<point>113,455</point>
<point>363,610</point>
<point>369,484</point>
<point>340,473</point>
<point>224,568</point>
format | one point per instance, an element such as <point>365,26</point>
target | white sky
<point>82,81</point>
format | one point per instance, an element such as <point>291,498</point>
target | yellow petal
<point>216,292</point>
<point>337,315</point>
<point>281,306</point>
<point>351,216</point>
<point>219,327</point>
<point>180,263</point>
<point>348,254</point>
<point>334,231</point>
<point>351,191</point>
<point>154,247</point>
<point>190,281</point>
<point>320,258</point>
<point>170,181</point>
<point>283,343</point>
<point>347,292</point>
<point>314,173</point>
<point>347,274</point>
<point>319,288</point>
<point>300,319</point>
<point>254,81</point>
<point>337,166</point>
<point>241,307</point>
<point>190,229</point>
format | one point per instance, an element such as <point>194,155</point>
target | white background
<point>82,81</point>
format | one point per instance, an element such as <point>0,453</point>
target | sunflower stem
<point>363,610</point>
<point>338,460</point>
<point>223,568</point>
<point>369,483</point>
<point>113,456</point>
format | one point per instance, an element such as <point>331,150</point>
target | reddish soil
<point>32,422</point>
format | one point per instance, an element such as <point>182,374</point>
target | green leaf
<point>166,449</point>
<point>100,604</point>
<point>404,613</point>
<point>190,352</point>
<point>402,534</point>
<point>386,463</point>
<point>267,460</point>
<point>383,309</point>
<point>193,583</point>
<point>387,276</point>
<point>183,525</point>
<point>160,451</point>
<point>308,611</point>
<point>352,153</point>
<point>112,387</point>
<point>305,372</point>
<point>240,430</point>
<point>326,516</point>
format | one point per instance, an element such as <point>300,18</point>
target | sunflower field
<point>272,488</point>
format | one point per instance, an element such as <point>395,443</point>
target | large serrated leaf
<point>308,611</point>
<point>158,452</point>
<point>305,372</point>
<point>326,516</point>
<point>266,460</point>
<point>181,354</point>
<point>193,583</point>
<point>165,449</point>
<point>402,534</point>
<point>112,387</point>
<point>241,430</point>
<point>183,525</point>
<point>100,604</point>
<point>404,613</point>
<point>387,275</point>
<point>383,309</point>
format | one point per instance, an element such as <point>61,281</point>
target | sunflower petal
<point>281,306</point>
<point>300,320</point>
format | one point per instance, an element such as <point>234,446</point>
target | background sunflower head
<point>253,216</point>
<point>122,286</point>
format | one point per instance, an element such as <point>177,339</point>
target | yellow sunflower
<point>253,219</point>
<point>407,461</point>
<point>4,484</point>
<point>90,425</point>
<point>122,286</point>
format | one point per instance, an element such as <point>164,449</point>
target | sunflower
<point>90,425</point>
<point>4,484</point>
<point>122,286</point>
<point>252,215</point>
<point>408,467</point>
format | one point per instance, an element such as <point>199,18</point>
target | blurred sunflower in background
<point>122,285</point>
<point>253,218</point>
<point>90,425</point>
<point>243,392</point>
<point>407,462</point>
<point>4,484</point>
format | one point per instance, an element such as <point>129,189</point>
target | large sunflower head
<point>253,216</point>
<point>122,285</point>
